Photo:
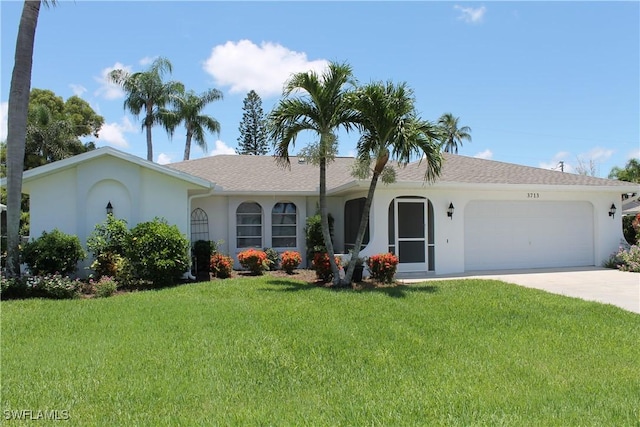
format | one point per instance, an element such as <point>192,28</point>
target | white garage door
<point>527,234</point>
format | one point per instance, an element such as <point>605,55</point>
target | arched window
<point>249,225</point>
<point>284,225</point>
<point>199,225</point>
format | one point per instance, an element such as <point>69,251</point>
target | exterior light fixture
<point>109,208</point>
<point>612,210</point>
<point>450,210</point>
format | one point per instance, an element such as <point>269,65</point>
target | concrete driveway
<point>608,286</point>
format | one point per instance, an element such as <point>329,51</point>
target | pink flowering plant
<point>290,261</point>
<point>254,260</point>
<point>383,267</point>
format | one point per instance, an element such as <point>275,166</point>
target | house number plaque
<point>533,195</point>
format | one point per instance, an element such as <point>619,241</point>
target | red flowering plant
<point>383,267</point>
<point>322,266</point>
<point>221,266</point>
<point>254,260</point>
<point>290,260</point>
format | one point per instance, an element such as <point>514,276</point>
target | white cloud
<point>486,154</point>
<point>113,133</point>
<point>596,154</point>
<point>4,110</point>
<point>222,148</point>
<point>147,60</point>
<point>108,89</point>
<point>554,163</point>
<point>633,154</point>
<point>78,90</point>
<point>163,159</point>
<point>245,66</point>
<point>471,15</point>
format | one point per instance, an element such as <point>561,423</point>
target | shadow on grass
<point>397,291</point>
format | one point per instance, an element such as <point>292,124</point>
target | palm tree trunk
<point>324,220</point>
<point>187,147</point>
<point>17,129</point>
<point>364,219</point>
<point>148,125</point>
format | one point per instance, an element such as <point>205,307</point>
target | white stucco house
<point>479,215</point>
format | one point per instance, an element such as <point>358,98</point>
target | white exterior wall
<point>450,233</point>
<point>74,200</point>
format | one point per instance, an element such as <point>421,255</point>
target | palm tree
<point>390,129</point>
<point>188,109</point>
<point>453,135</point>
<point>322,109</point>
<point>17,127</point>
<point>630,172</point>
<point>147,91</point>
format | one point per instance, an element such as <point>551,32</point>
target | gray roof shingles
<point>238,173</point>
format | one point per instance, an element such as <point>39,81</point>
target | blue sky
<point>537,82</point>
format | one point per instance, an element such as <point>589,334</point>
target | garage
<point>528,234</point>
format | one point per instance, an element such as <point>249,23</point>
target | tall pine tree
<point>253,129</point>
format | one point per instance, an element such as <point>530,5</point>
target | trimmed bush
<point>313,233</point>
<point>13,288</point>
<point>221,266</point>
<point>272,257</point>
<point>157,252</point>
<point>383,267</point>
<point>254,260</point>
<point>54,286</point>
<point>630,259</point>
<point>105,287</point>
<point>53,253</point>
<point>322,266</point>
<point>107,244</point>
<point>290,261</point>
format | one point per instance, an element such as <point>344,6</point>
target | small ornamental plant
<point>383,267</point>
<point>290,261</point>
<point>105,287</point>
<point>322,266</point>
<point>254,260</point>
<point>221,266</point>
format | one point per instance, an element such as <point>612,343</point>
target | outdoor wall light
<point>109,208</point>
<point>450,211</point>
<point>612,210</point>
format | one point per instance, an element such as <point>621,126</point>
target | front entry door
<point>410,231</point>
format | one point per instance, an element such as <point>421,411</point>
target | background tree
<point>453,135</point>
<point>146,91</point>
<point>253,130</point>
<point>321,108</point>
<point>630,172</point>
<point>390,129</point>
<point>17,127</point>
<point>588,168</point>
<point>187,109</point>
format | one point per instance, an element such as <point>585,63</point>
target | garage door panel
<point>507,235</point>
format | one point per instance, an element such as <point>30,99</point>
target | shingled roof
<point>259,174</point>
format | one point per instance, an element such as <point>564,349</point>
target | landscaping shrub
<point>630,259</point>
<point>382,267</point>
<point>54,286</point>
<point>290,261</point>
<point>107,244</point>
<point>53,253</point>
<point>157,252</point>
<point>105,287</point>
<point>272,257</point>
<point>221,266</point>
<point>313,233</point>
<point>322,267</point>
<point>13,288</point>
<point>254,260</point>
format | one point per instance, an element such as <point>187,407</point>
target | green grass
<point>266,351</point>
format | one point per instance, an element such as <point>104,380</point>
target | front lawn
<point>272,351</point>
